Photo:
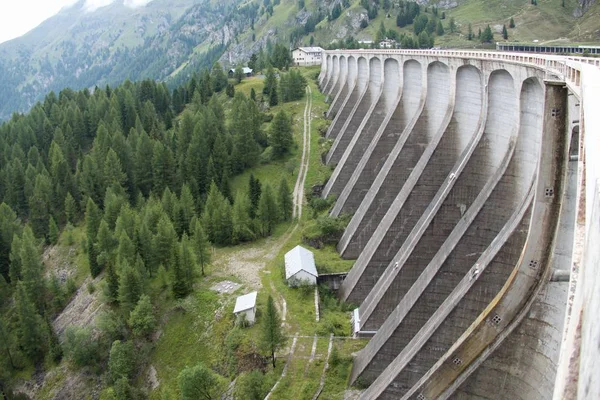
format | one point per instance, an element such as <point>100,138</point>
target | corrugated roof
<point>311,49</point>
<point>245,302</point>
<point>299,259</point>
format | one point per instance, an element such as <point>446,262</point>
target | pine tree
<point>252,94</point>
<point>280,134</point>
<point>70,208</point>
<point>15,259</point>
<point>470,32</point>
<point>452,25</point>
<point>31,332</point>
<point>105,246</point>
<point>238,73</point>
<point>511,24</point>
<point>272,338</point>
<point>130,287</point>
<point>53,231</point>
<point>487,35</point>
<point>93,217</point>
<point>112,285</point>
<point>202,246</point>
<point>254,191</point>
<point>439,30</point>
<point>216,218</point>
<point>242,223</point>
<point>9,225</point>
<point>268,214</point>
<point>184,271</point>
<point>165,242</point>
<point>32,269</point>
<point>285,203</point>
<point>141,320</point>
<point>504,32</point>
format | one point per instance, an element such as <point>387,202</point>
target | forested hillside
<point>141,177</point>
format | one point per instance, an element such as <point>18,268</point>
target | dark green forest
<point>146,172</point>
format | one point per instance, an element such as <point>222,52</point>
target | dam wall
<point>464,173</point>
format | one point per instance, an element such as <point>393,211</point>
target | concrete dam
<point>474,220</point>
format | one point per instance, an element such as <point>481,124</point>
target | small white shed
<point>246,305</point>
<point>300,267</point>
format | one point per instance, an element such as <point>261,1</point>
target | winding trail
<point>299,187</point>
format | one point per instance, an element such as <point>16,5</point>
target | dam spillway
<point>463,175</point>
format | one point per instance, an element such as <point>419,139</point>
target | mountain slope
<point>169,39</point>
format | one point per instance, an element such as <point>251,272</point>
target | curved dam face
<point>461,172</point>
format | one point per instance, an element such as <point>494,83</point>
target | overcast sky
<point>20,16</point>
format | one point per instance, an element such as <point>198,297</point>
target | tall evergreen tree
<point>242,223</point>
<point>272,337</point>
<point>284,197</point>
<point>31,326</point>
<point>32,269</point>
<point>53,232</point>
<point>254,191</point>
<point>130,287</point>
<point>280,133</point>
<point>511,24</point>
<point>268,214</point>
<point>202,246</point>
<point>93,217</point>
<point>504,32</point>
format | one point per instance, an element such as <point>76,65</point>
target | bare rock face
<point>582,7</point>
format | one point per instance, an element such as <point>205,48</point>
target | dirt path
<point>299,188</point>
<point>325,368</point>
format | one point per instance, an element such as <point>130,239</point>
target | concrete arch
<point>413,82</point>
<point>391,76</point>
<point>438,95</point>
<point>502,110</point>
<point>352,70</point>
<point>530,135</point>
<point>363,72</point>
<point>375,73</point>
<point>469,102</point>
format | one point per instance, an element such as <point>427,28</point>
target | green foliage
<point>268,213</point>
<point>487,36</point>
<point>292,86</point>
<point>280,134</point>
<point>216,218</point>
<point>141,319</point>
<point>452,25</point>
<point>504,32</point>
<point>130,287</point>
<point>122,360</point>
<point>511,24</point>
<point>251,386</point>
<point>184,274</point>
<point>439,30</point>
<point>53,232</point>
<point>31,332</point>
<point>242,223</point>
<point>199,382</point>
<point>284,199</point>
<point>32,269</point>
<point>238,73</point>
<point>272,337</point>
<point>80,347</point>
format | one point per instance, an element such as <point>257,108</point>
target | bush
<point>80,347</point>
<point>91,287</point>
<point>121,363</point>
<point>251,386</point>
<point>324,230</point>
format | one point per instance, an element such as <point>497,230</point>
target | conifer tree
<point>105,246</point>
<point>439,30</point>
<point>184,270</point>
<point>122,360</point>
<point>504,32</point>
<point>15,259</point>
<point>70,208</point>
<point>141,320</point>
<point>470,32</point>
<point>280,134</point>
<point>202,246</point>
<point>218,77</point>
<point>165,242</point>
<point>216,218</point>
<point>272,338</point>
<point>31,325</point>
<point>268,214</point>
<point>53,231</point>
<point>487,35</point>
<point>112,285</point>
<point>254,191</point>
<point>511,24</point>
<point>188,209</point>
<point>242,223</point>
<point>284,197</point>
<point>130,287</point>
<point>32,269</point>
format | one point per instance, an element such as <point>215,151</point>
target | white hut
<point>246,305</point>
<point>300,267</point>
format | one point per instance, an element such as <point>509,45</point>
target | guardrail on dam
<point>476,220</point>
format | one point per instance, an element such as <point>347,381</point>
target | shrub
<point>121,363</point>
<point>80,347</point>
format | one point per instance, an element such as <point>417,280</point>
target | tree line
<point>146,171</point>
